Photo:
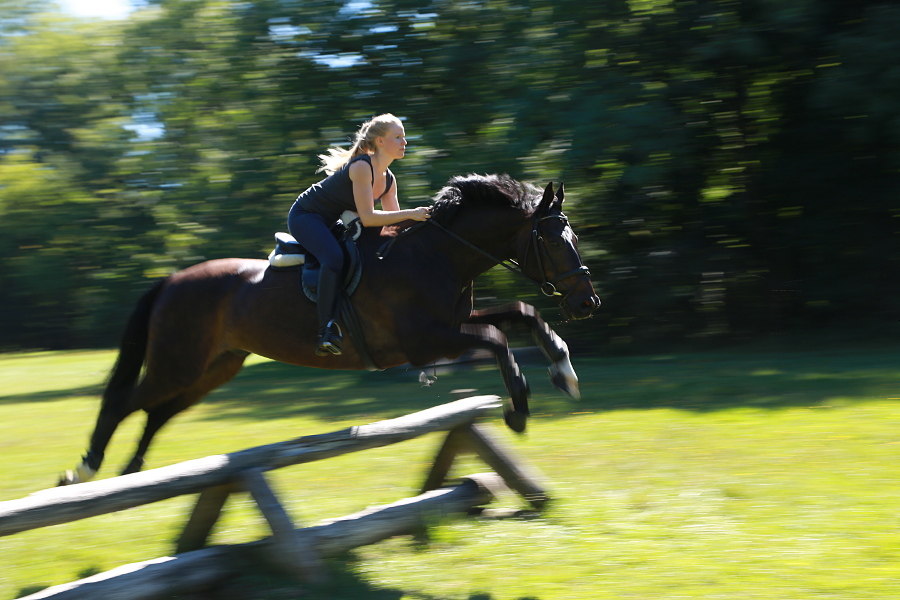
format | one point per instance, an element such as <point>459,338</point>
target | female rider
<point>357,179</point>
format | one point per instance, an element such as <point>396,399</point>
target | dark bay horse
<point>191,332</point>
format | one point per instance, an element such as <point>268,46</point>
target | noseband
<point>548,286</point>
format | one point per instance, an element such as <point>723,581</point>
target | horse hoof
<point>566,383</point>
<point>134,466</point>
<point>67,478</point>
<point>82,473</point>
<point>515,420</point>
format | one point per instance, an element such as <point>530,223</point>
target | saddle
<point>290,254</point>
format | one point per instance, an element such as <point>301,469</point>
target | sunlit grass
<point>736,474</point>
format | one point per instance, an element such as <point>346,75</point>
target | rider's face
<point>394,142</point>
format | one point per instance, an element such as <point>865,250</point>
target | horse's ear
<point>560,193</point>
<point>546,201</point>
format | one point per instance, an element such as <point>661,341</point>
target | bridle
<point>536,242</point>
<point>548,286</point>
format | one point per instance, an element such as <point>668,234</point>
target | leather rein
<point>548,286</point>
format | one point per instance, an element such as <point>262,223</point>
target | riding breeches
<point>314,233</point>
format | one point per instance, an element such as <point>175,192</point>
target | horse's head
<point>548,253</point>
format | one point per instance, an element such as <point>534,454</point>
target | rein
<point>515,268</point>
<point>547,287</point>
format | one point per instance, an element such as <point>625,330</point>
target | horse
<point>191,331</point>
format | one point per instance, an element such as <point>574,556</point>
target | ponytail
<point>364,143</point>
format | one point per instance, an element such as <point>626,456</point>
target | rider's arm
<point>390,202</point>
<point>361,176</point>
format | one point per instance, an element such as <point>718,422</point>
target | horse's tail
<point>132,351</point>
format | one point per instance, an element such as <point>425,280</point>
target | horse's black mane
<point>482,190</point>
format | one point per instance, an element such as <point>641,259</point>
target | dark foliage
<point>731,168</point>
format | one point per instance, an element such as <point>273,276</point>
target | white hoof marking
<point>80,475</point>
<point>563,375</point>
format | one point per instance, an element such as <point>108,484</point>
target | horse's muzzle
<point>575,310</point>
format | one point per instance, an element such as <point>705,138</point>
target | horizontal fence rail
<point>190,572</point>
<point>297,551</point>
<point>55,506</point>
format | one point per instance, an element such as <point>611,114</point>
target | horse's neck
<point>474,245</point>
<point>490,241</point>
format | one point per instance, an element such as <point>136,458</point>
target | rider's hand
<point>421,213</point>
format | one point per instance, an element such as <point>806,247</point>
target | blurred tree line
<point>731,166</point>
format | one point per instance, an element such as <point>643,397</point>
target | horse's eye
<point>555,243</point>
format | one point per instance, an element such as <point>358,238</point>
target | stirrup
<point>330,339</point>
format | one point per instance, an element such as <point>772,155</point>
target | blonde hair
<point>364,143</point>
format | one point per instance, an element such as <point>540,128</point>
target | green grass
<point>737,474</point>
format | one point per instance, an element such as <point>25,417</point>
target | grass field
<point>738,474</point>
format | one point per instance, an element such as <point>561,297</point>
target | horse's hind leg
<point>562,374</point>
<point>222,369</point>
<point>108,421</point>
<point>156,418</point>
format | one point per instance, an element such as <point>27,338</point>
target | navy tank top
<point>334,194</point>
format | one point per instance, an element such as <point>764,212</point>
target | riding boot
<point>330,337</point>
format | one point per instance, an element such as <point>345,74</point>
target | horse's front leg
<point>492,339</point>
<point>452,343</point>
<point>562,374</point>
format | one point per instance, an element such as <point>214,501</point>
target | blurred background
<point>732,167</point>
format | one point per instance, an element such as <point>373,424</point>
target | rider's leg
<point>315,234</point>
<point>330,338</point>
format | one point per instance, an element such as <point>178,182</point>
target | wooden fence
<point>300,552</point>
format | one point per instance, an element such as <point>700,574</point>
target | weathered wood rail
<point>298,551</point>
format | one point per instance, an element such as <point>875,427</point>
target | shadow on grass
<point>273,390</point>
<point>347,583</point>
<point>263,583</point>
<point>711,382</point>
<point>34,589</point>
<point>694,382</point>
<point>52,395</point>
<point>697,382</point>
